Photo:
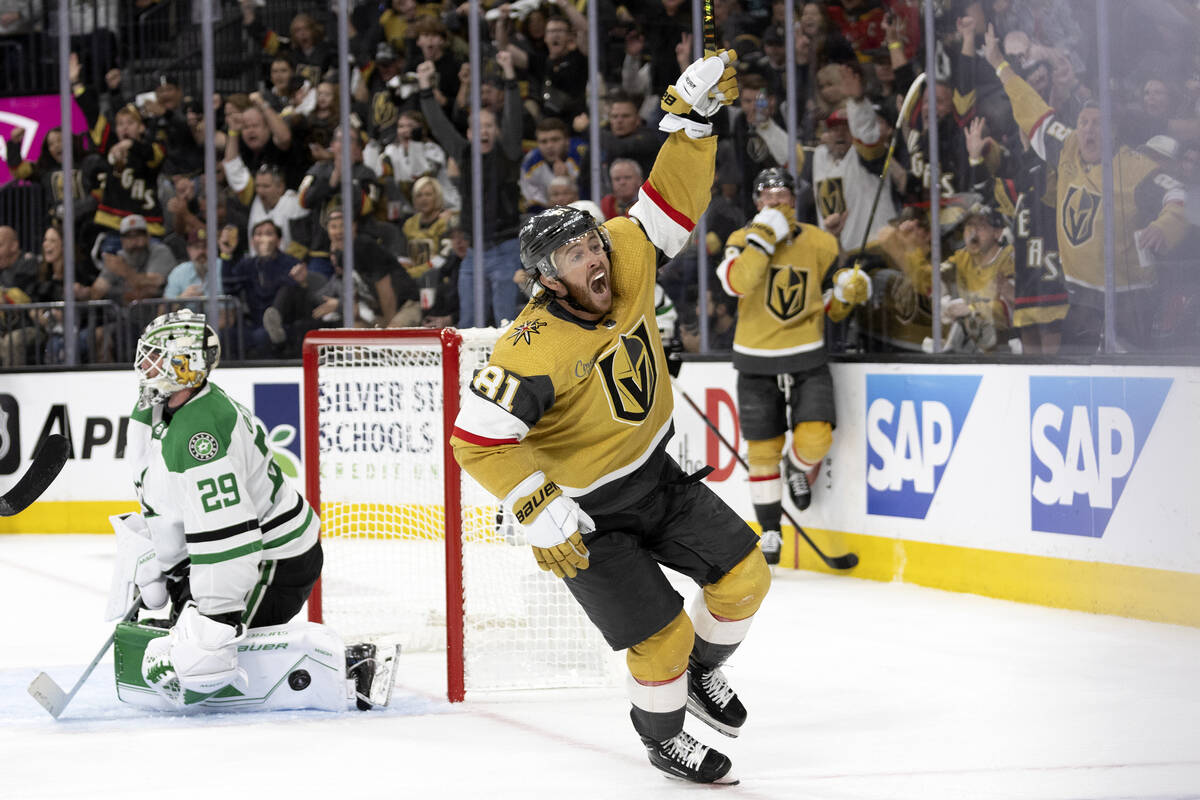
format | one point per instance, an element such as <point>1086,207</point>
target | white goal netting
<point>381,469</point>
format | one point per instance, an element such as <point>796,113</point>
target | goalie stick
<point>51,696</point>
<point>842,562</point>
<point>47,463</point>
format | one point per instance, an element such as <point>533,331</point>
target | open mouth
<point>598,282</point>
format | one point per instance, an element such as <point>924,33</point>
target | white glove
<point>554,524</point>
<point>768,227</point>
<point>203,652</point>
<point>851,286</point>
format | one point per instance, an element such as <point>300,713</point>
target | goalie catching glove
<point>554,524</point>
<point>851,286</point>
<point>705,86</point>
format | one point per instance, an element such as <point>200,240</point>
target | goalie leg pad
<point>300,665</point>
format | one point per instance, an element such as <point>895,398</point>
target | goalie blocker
<point>293,666</point>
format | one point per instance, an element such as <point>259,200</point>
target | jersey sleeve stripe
<point>774,477</point>
<point>675,214</point>
<point>481,441</point>
<point>287,537</point>
<point>221,533</point>
<point>1037,134</point>
<point>227,555</point>
<point>666,227</point>
<point>285,517</point>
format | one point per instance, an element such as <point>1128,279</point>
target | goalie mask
<point>774,178</point>
<point>541,235</point>
<point>176,351</point>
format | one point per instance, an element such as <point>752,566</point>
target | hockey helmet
<point>774,178</point>
<point>544,233</point>
<point>176,351</point>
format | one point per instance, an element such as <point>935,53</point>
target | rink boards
<point>1067,486</point>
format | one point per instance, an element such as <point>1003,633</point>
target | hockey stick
<point>847,561</point>
<point>51,696</point>
<point>47,463</point>
<point>710,29</point>
<point>910,100</point>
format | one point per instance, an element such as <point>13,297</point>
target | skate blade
<point>385,674</point>
<point>697,711</point>
<point>727,780</point>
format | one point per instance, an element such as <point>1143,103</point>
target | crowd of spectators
<point>1016,92</point>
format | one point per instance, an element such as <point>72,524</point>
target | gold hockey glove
<point>554,524</point>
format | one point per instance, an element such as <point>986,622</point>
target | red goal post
<point>416,550</point>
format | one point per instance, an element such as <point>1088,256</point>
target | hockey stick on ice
<point>48,462</point>
<point>51,696</point>
<point>847,561</point>
<point>910,100</point>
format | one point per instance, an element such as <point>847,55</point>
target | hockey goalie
<point>226,547</point>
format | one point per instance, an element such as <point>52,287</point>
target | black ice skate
<point>797,484</point>
<point>712,700</point>
<point>683,757</point>
<point>771,543</point>
<point>360,665</point>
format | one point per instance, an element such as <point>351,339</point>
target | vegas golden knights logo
<point>787,288</point>
<point>630,375</point>
<point>1079,211</point>
<point>831,195</point>
<point>384,111</point>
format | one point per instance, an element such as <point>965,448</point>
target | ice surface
<point>855,690</point>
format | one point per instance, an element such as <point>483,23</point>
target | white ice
<point>855,690</point>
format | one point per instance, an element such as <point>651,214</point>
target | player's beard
<point>595,295</point>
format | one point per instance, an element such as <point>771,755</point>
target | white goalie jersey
<point>211,492</point>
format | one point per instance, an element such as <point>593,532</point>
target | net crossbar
<point>379,408</point>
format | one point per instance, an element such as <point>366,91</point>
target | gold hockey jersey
<point>781,302</point>
<point>1143,195</point>
<point>587,403</point>
<point>987,286</point>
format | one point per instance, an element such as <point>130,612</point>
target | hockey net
<point>415,549</point>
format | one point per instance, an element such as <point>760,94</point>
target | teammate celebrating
<point>777,267</point>
<point>569,423</point>
<point>221,536</point>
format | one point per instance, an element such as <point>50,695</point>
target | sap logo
<point>1085,438</point>
<point>913,422</point>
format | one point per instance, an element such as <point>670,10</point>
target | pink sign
<point>36,115</point>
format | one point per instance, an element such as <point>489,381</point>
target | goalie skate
<point>372,668</point>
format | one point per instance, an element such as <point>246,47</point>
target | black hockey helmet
<point>544,233</point>
<point>774,178</point>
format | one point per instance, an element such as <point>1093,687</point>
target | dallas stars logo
<point>525,330</point>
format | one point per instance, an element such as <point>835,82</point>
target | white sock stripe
<point>764,492</point>
<point>717,631</point>
<point>663,698</point>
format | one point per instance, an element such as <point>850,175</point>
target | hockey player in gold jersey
<point>777,268</point>
<point>1149,211</point>
<point>569,422</point>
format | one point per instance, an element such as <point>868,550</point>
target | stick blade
<point>48,694</point>
<point>847,561</point>
<point>47,463</point>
